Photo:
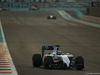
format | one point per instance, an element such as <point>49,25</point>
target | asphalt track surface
<point>27,31</point>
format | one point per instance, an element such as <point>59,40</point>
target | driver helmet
<point>59,52</point>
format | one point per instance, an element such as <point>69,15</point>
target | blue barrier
<point>62,8</point>
<point>45,9</point>
<point>18,9</point>
<point>78,13</point>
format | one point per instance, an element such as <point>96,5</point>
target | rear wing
<point>48,48</point>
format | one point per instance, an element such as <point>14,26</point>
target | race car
<point>34,7</point>
<point>3,9</point>
<point>51,17</point>
<point>57,59</point>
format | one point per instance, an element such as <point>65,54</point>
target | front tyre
<point>54,17</point>
<point>79,62</point>
<point>36,60</point>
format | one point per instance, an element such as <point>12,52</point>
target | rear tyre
<point>54,17</point>
<point>36,60</point>
<point>79,62</point>
<point>48,62</point>
<point>64,66</point>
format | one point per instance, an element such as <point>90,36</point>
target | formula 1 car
<point>51,17</point>
<point>57,59</point>
<point>3,9</point>
<point>33,8</point>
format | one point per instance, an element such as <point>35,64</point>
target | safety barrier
<point>42,4</point>
<point>23,5</point>
<point>78,13</point>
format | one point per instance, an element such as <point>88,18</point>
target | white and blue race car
<point>57,59</point>
<point>51,17</point>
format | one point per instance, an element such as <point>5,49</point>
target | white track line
<point>13,69</point>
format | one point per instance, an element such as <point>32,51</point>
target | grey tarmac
<point>27,31</point>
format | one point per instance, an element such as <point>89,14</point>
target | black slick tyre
<point>36,60</point>
<point>54,17</point>
<point>48,62</point>
<point>79,62</point>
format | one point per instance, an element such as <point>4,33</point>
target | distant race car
<point>33,8</point>
<point>3,9</point>
<point>51,17</point>
<point>57,59</point>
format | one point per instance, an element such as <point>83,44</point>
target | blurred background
<point>52,3</point>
